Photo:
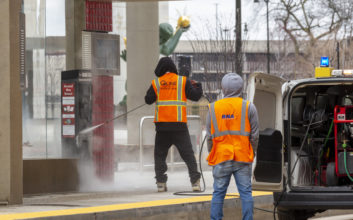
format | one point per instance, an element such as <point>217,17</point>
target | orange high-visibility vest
<point>171,98</point>
<point>230,130</point>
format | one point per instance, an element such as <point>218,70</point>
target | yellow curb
<point>116,207</point>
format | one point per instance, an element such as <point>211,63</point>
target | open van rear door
<point>265,92</point>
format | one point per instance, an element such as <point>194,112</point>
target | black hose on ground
<point>197,193</point>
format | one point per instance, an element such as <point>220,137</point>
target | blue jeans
<point>242,174</point>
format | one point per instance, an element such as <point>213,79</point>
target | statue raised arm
<point>167,39</point>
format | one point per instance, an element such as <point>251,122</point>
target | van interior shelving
<point>320,153</point>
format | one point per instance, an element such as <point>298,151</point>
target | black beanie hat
<point>164,65</point>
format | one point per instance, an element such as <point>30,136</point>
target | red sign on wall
<point>68,89</point>
<point>99,16</point>
<point>68,109</point>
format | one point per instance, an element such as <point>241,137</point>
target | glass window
<point>34,112</point>
<point>46,56</point>
<point>45,59</point>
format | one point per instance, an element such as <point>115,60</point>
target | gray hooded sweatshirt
<point>232,86</point>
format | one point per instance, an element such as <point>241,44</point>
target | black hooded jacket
<point>192,92</point>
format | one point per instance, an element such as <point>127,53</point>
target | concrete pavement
<point>132,196</point>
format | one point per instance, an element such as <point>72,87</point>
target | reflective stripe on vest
<point>180,90</point>
<point>218,133</point>
<point>167,103</point>
<point>156,82</point>
<point>178,102</point>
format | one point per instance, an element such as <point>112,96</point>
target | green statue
<point>167,39</point>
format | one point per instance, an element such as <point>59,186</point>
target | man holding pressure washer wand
<point>170,92</point>
<point>233,134</point>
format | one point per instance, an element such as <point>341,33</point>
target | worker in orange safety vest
<point>170,91</point>
<point>233,133</point>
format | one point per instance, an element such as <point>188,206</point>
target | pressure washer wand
<point>90,129</point>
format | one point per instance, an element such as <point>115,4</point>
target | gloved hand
<point>195,83</point>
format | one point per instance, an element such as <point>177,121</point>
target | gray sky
<point>201,12</point>
<point>55,17</point>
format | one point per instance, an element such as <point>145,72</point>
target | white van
<point>310,169</point>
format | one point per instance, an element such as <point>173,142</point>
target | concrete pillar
<point>75,23</point>
<point>142,58</point>
<point>11,187</point>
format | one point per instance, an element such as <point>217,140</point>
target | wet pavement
<point>133,195</point>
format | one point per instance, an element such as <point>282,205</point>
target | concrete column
<point>142,58</point>
<point>75,23</point>
<point>11,187</point>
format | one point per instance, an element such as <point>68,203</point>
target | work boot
<point>162,187</point>
<point>196,186</point>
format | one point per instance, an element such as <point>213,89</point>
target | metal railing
<point>172,163</point>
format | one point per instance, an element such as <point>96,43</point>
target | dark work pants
<point>181,139</point>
